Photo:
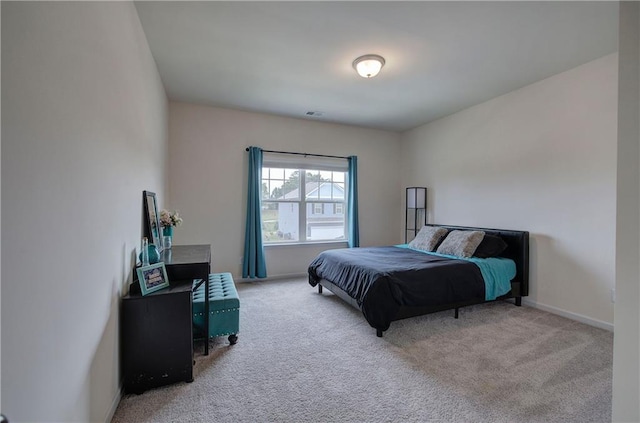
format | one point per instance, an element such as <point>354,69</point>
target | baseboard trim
<point>569,315</point>
<point>114,404</point>
<point>274,278</point>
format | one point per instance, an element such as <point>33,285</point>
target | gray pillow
<point>461,243</point>
<point>428,238</point>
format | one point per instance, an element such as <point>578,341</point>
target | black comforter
<point>381,279</point>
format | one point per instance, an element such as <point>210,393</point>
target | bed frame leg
<point>518,301</point>
<point>378,333</point>
<point>456,313</point>
<point>319,289</point>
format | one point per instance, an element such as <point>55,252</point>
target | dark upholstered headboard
<point>517,250</point>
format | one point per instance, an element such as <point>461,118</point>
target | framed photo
<point>152,229</point>
<point>152,278</point>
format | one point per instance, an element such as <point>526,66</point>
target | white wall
<point>541,159</point>
<point>626,341</point>
<point>84,133</point>
<point>208,174</point>
<point>0,237</point>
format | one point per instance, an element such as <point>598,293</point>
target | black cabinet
<point>157,338</point>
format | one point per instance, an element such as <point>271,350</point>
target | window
<point>303,201</point>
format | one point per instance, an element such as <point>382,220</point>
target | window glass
<point>280,222</point>
<point>303,204</point>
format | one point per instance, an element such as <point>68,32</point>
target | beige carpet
<point>305,357</point>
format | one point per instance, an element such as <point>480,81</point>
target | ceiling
<point>290,58</point>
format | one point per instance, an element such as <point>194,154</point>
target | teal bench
<point>224,307</point>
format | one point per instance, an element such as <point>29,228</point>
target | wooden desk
<point>188,262</point>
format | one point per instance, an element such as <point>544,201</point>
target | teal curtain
<point>253,263</point>
<point>352,203</point>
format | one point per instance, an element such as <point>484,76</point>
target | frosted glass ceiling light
<point>368,65</point>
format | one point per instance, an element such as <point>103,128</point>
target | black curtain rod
<point>302,154</point>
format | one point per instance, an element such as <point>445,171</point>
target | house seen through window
<point>303,205</point>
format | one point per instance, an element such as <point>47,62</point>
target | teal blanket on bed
<point>497,272</point>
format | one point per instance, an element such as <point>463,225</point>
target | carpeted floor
<point>305,357</point>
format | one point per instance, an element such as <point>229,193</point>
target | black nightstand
<point>157,338</point>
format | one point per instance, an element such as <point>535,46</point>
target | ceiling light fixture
<point>368,65</point>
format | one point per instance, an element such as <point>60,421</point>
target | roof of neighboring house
<point>311,188</point>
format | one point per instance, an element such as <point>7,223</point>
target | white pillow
<point>428,238</point>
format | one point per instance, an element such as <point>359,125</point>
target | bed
<point>396,282</point>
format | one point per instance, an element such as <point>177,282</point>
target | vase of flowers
<point>169,220</point>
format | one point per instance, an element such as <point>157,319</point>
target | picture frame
<point>152,278</point>
<point>152,228</point>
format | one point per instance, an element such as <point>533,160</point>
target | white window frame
<point>305,164</point>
